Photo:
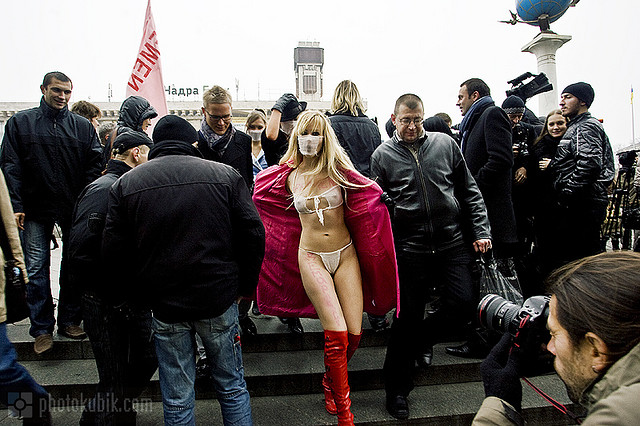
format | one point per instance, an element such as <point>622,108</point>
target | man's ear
<point>598,351</point>
<point>42,89</point>
<point>475,96</point>
<point>393,119</point>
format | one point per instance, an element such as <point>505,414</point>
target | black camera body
<point>526,323</point>
<point>520,136</point>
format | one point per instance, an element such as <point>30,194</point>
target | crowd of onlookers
<point>302,214</point>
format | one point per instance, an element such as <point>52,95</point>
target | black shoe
<point>468,350</point>
<point>424,359</point>
<point>248,327</point>
<point>294,325</point>
<point>397,406</point>
<point>255,310</point>
<point>378,323</point>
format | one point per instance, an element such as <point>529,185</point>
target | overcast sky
<point>386,48</point>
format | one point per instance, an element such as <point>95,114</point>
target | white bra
<point>333,196</point>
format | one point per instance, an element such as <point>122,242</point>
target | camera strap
<point>553,402</point>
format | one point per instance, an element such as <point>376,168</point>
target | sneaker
<point>43,343</point>
<point>72,332</point>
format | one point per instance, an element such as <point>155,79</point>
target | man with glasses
<point>219,140</point>
<point>438,216</point>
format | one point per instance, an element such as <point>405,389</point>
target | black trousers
<point>125,357</point>
<point>449,272</point>
<point>580,227</point>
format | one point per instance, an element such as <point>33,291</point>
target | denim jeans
<point>175,349</point>
<point>36,240</point>
<point>18,390</point>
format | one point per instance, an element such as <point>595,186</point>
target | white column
<point>544,46</point>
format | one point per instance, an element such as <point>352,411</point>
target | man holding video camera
<point>594,322</point>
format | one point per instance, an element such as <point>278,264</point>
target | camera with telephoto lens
<point>519,134</point>
<point>526,323</point>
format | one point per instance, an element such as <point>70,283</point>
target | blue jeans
<point>36,240</point>
<point>18,390</point>
<point>175,349</point>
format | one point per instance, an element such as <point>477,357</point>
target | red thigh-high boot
<point>329,403</point>
<point>335,362</point>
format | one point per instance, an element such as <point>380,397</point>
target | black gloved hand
<point>283,101</point>
<point>389,202</point>
<point>501,372</point>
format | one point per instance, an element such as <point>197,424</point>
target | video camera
<point>526,323</point>
<point>539,84</point>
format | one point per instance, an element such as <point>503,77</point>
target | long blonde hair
<point>332,158</point>
<point>346,99</point>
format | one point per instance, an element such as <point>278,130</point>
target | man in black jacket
<point>119,334</point>
<point>438,216</point>
<point>582,170</point>
<point>486,144</point>
<point>194,245</point>
<point>48,156</point>
<point>219,140</point>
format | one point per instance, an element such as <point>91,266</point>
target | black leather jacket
<point>437,202</point>
<point>583,166</point>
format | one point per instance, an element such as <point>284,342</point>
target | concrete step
<point>452,404</point>
<point>273,336</point>
<point>266,373</point>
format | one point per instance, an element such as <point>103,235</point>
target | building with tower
<point>308,60</point>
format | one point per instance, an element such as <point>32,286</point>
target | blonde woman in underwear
<point>326,256</point>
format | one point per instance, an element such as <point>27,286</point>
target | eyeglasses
<point>216,118</point>
<point>407,121</point>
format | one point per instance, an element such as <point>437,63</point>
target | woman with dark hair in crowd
<point>544,200</point>
<point>329,247</point>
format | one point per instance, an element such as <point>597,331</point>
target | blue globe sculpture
<point>530,10</point>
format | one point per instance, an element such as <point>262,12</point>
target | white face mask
<point>255,135</point>
<point>309,144</point>
<point>287,126</point>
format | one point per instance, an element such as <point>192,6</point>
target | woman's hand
<point>544,163</point>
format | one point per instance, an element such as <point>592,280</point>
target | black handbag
<point>15,289</point>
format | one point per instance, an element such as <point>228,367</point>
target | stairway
<point>284,374</point>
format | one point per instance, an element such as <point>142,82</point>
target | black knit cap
<point>582,91</point>
<point>513,105</point>
<point>128,139</point>
<point>174,128</point>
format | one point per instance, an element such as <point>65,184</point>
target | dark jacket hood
<point>134,110</point>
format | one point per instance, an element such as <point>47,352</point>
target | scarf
<point>216,142</point>
<point>472,115</point>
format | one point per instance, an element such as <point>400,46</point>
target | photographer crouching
<point>594,323</point>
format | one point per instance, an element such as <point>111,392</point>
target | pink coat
<point>280,290</point>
